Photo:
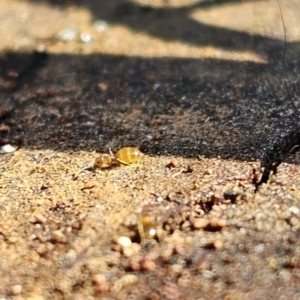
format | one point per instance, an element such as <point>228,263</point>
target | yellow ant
<point>125,156</point>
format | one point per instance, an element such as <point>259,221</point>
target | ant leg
<point>110,152</point>
<point>123,162</point>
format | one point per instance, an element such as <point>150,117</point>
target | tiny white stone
<point>8,148</point>
<point>16,289</point>
<point>124,241</point>
<point>149,136</point>
<point>160,199</point>
<point>259,248</point>
<point>295,210</point>
<point>152,232</point>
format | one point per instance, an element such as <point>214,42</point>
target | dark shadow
<point>166,106</point>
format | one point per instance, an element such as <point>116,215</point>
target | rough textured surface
<point>201,88</point>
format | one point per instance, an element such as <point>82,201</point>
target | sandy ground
<point>202,90</point>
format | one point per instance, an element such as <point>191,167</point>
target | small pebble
<point>102,86</point>
<point>218,244</point>
<point>13,74</point>
<point>136,247</point>
<point>71,256</point>
<point>125,280</point>
<point>259,248</point>
<point>124,241</point>
<point>153,296</point>
<point>173,163</point>
<point>102,284</point>
<point>16,289</point>
<point>203,265</point>
<point>99,278</point>
<point>128,251</point>
<point>148,265</point>
<point>217,222</point>
<point>8,149</point>
<point>4,128</point>
<point>295,210</point>
<point>116,248</point>
<point>177,268</point>
<point>294,221</point>
<point>40,219</point>
<point>13,239</point>
<point>134,264</point>
<point>166,254</point>
<point>89,185</point>
<point>160,199</point>
<point>76,225</point>
<point>151,255</point>
<point>200,223</point>
<point>41,249</point>
<point>179,250</point>
<point>58,236</point>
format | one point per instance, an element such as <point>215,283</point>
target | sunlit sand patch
<point>259,18</point>
<point>116,39</point>
<point>120,40</point>
<point>167,3</point>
